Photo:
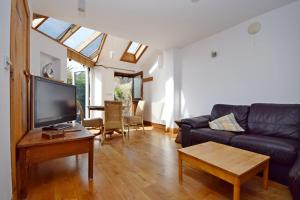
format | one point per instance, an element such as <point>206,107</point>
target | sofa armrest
<point>294,178</point>
<point>191,123</point>
<point>197,122</point>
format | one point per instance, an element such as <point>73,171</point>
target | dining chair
<point>113,118</point>
<point>138,118</point>
<point>95,123</point>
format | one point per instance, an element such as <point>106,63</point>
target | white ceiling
<point>158,23</point>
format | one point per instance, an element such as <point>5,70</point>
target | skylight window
<point>133,52</point>
<point>54,28</point>
<point>96,58</point>
<point>84,44</point>
<point>134,46</point>
<point>92,47</point>
<point>79,37</point>
<point>140,51</point>
<point>37,21</point>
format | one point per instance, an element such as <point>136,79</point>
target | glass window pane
<point>79,80</point>
<point>96,58</point>
<point>140,51</point>
<point>133,47</point>
<point>137,87</point>
<point>53,27</point>
<point>79,37</point>
<point>37,21</point>
<point>92,47</point>
<point>123,92</point>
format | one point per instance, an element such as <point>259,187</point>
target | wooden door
<point>19,79</point>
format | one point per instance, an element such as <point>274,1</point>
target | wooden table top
<point>34,137</point>
<point>231,159</point>
<point>102,108</point>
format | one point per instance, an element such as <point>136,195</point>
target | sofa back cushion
<point>240,113</point>
<point>277,120</point>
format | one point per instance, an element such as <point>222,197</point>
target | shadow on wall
<point>183,108</point>
<point>168,109</point>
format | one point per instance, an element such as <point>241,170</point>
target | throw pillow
<point>226,123</point>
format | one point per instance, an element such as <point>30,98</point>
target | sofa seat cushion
<point>201,135</point>
<point>281,150</point>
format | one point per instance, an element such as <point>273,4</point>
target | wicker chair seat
<point>93,123</point>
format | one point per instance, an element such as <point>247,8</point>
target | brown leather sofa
<point>270,129</point>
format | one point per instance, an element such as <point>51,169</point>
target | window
<point>54,28</point>
<point>92,47</point>
<point>135,82</point>
<point>78,75</point>
<point>79,82</point>
<point>79,37</point>
<point>133,52</point>
<point>137,87</point>
<point>140,51</point>
<point>123,93</point>
<point>37,21</point>
<point>133,47</point>
<point>84,44</point>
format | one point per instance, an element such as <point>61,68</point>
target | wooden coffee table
<point>225,162</point>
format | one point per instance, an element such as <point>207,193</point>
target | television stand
<point>33,149</point>
<point>57,127</point>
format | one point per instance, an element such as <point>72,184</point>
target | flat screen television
<point>53,102</point>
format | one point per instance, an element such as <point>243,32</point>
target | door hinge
<point>8,63</point>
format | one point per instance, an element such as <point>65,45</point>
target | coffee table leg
<point>266,175</point>
<point>236,189</point>
<point>179,168</point>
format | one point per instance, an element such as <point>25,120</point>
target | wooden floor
<point>144,168</point>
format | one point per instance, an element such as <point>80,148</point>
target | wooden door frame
<point>14,141</point>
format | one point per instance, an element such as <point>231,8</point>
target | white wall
<point>160,93</point>
<point>5,156</point>
<point>248,69</point>
<point>44,50</point>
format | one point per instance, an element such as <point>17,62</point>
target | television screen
<point>53,102</point>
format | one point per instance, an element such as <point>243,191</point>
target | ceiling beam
<point>80,58</point>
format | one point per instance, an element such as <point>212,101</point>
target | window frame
<point>128,75</point>
<point>133,58</point>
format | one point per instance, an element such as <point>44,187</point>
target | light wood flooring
<point>144,168</point>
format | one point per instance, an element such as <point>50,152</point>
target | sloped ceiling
<point>114,48</point>
<point>158,23</point>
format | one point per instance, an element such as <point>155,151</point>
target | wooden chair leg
<point>143,127</point>
<point>123,133</point>
<point>128,129</point>
<point>103,135</point>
